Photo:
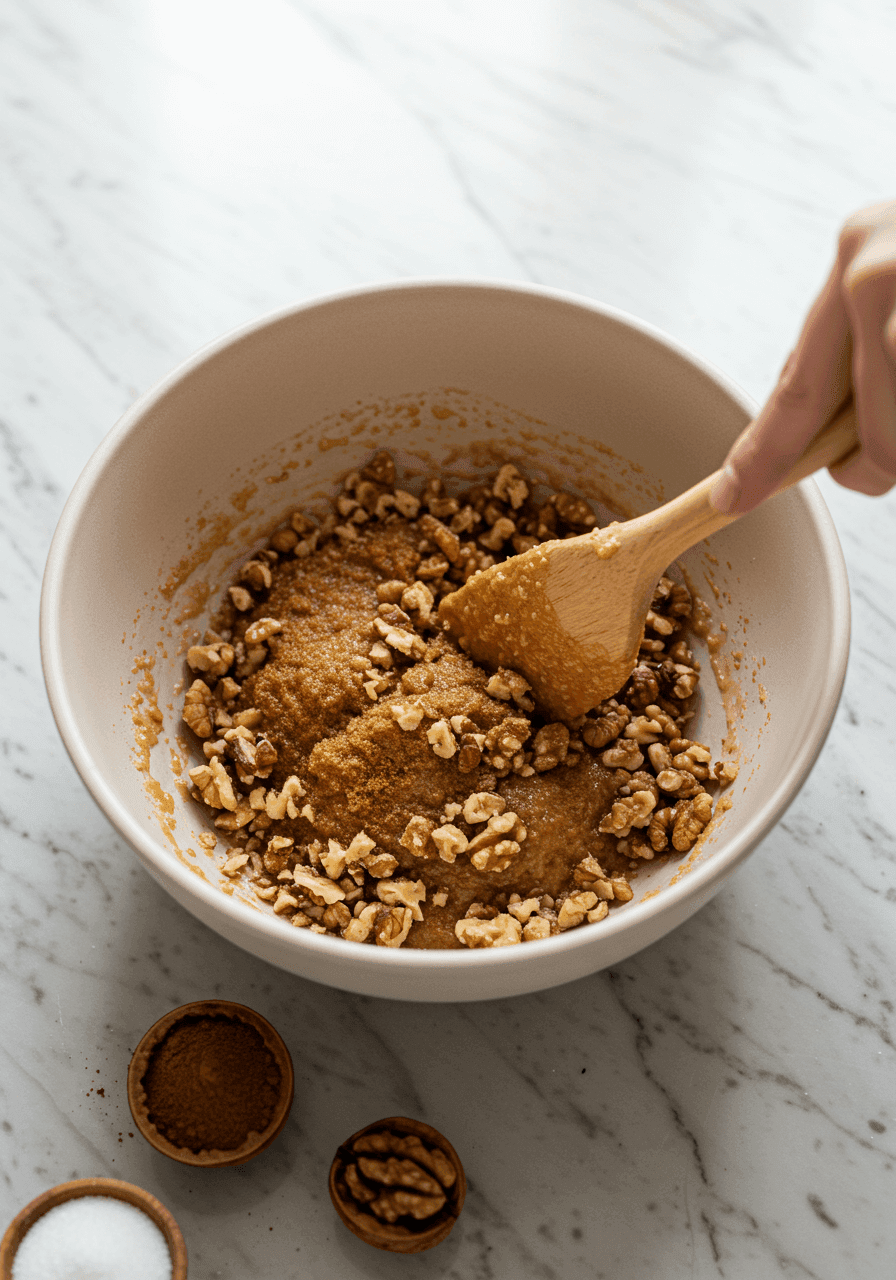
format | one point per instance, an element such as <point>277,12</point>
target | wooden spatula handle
<point>679,524</point>
<point>833,444</point>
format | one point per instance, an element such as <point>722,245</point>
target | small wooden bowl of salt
<point>94,1227</point>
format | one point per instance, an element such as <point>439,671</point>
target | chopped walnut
<point>522,909</point>
<point>393,927</point>
<point>333,860</point>
<point>678,782</point>
<point>501,531</point>
<point>319,888</point>
<point>574,908</point>
<point>215,659</point>
<point>481,806</point>
<point>276,856</point>
<point>406,504</point>
<point>574,511</point>
<point>380,469</point>
<point>361,846</point>
<point>630,811</point>
<point>503,743</point>
<point>550,745</point>
<point>658,830</point>
<point>726,772</point>
<point>336,916</point>
<point>495,848</point>
<point>262,630</point>
<point>380,654</point>
<point>693,758</point>
<point>450,841</point>
<point>691,820</point>
<point>623,754</point>
<point>509,486</point>
<point>418,599</point>
<point>536,928</point>
<point>610,723</point>
<point>622,890</point>
<point>406,642</point>
<point>441,739</point>
<point>503,931</point>
<point>447,542</point>
<point>215,784</point>
<point>588,872</point>
<point>279,806</point>
<point>242,599</point>
<point>506,685</point>
<point>285,902</point>
<point>643,730</point>
<point>656,622</point>
<point>660,756</point>
<point>407,714</point>
<point>197,709</point>
<point>416,836</point>
<point>257,574</point>
<point>403,893</point>
<point>249,659</point>
<point>432,568</point>
<point>379,865</point>
<point>469,752</point>
<point>235,864</point>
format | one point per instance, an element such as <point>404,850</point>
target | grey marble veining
<point>721,1105</point>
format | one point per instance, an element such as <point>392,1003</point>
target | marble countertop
<point>721,1104</point>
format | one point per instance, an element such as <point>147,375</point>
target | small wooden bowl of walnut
<point>398,1184</point>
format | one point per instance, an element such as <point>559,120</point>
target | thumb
<point>813,384</point>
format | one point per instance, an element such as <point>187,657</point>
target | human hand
<point>848,342</point>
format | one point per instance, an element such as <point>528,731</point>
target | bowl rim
<point>702,878</point>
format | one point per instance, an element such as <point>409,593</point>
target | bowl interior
<point>450,377</point>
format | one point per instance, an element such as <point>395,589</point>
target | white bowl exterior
<point>586,370</point>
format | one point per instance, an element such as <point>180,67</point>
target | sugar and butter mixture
<point>375,783</point>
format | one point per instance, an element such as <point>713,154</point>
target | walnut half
<point>398,1185</point>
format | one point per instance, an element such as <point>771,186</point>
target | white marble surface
<point>720,1105</point>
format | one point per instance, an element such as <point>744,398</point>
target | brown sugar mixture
<point>210,1083</point>
<point>378,785</point>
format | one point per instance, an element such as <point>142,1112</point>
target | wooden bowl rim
<point>426,1239</point>
<point>211,1159</point>
<point>113,1187</point>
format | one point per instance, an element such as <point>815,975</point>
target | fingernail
<point>725,492</point>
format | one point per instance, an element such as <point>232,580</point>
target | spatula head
<point>567,615</point>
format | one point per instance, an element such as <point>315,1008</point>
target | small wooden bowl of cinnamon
<point>211,1084</point>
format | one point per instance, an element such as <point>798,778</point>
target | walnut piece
<point>574,909</point>
<point>481,806</point>
<point>630,811</point>
<point>450,841</point>
<point>403,893</point>
<point>503,931</point>
<point>495,848</point>
<point>416,836</point>
<point>197,711</point>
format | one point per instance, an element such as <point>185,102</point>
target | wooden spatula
<point>569,615</point>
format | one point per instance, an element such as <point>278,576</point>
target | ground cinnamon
<point>210,1082</point>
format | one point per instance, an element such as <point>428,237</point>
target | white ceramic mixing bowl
<point>445,374</point>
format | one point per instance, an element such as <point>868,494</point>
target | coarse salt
<point>93,1238</point>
